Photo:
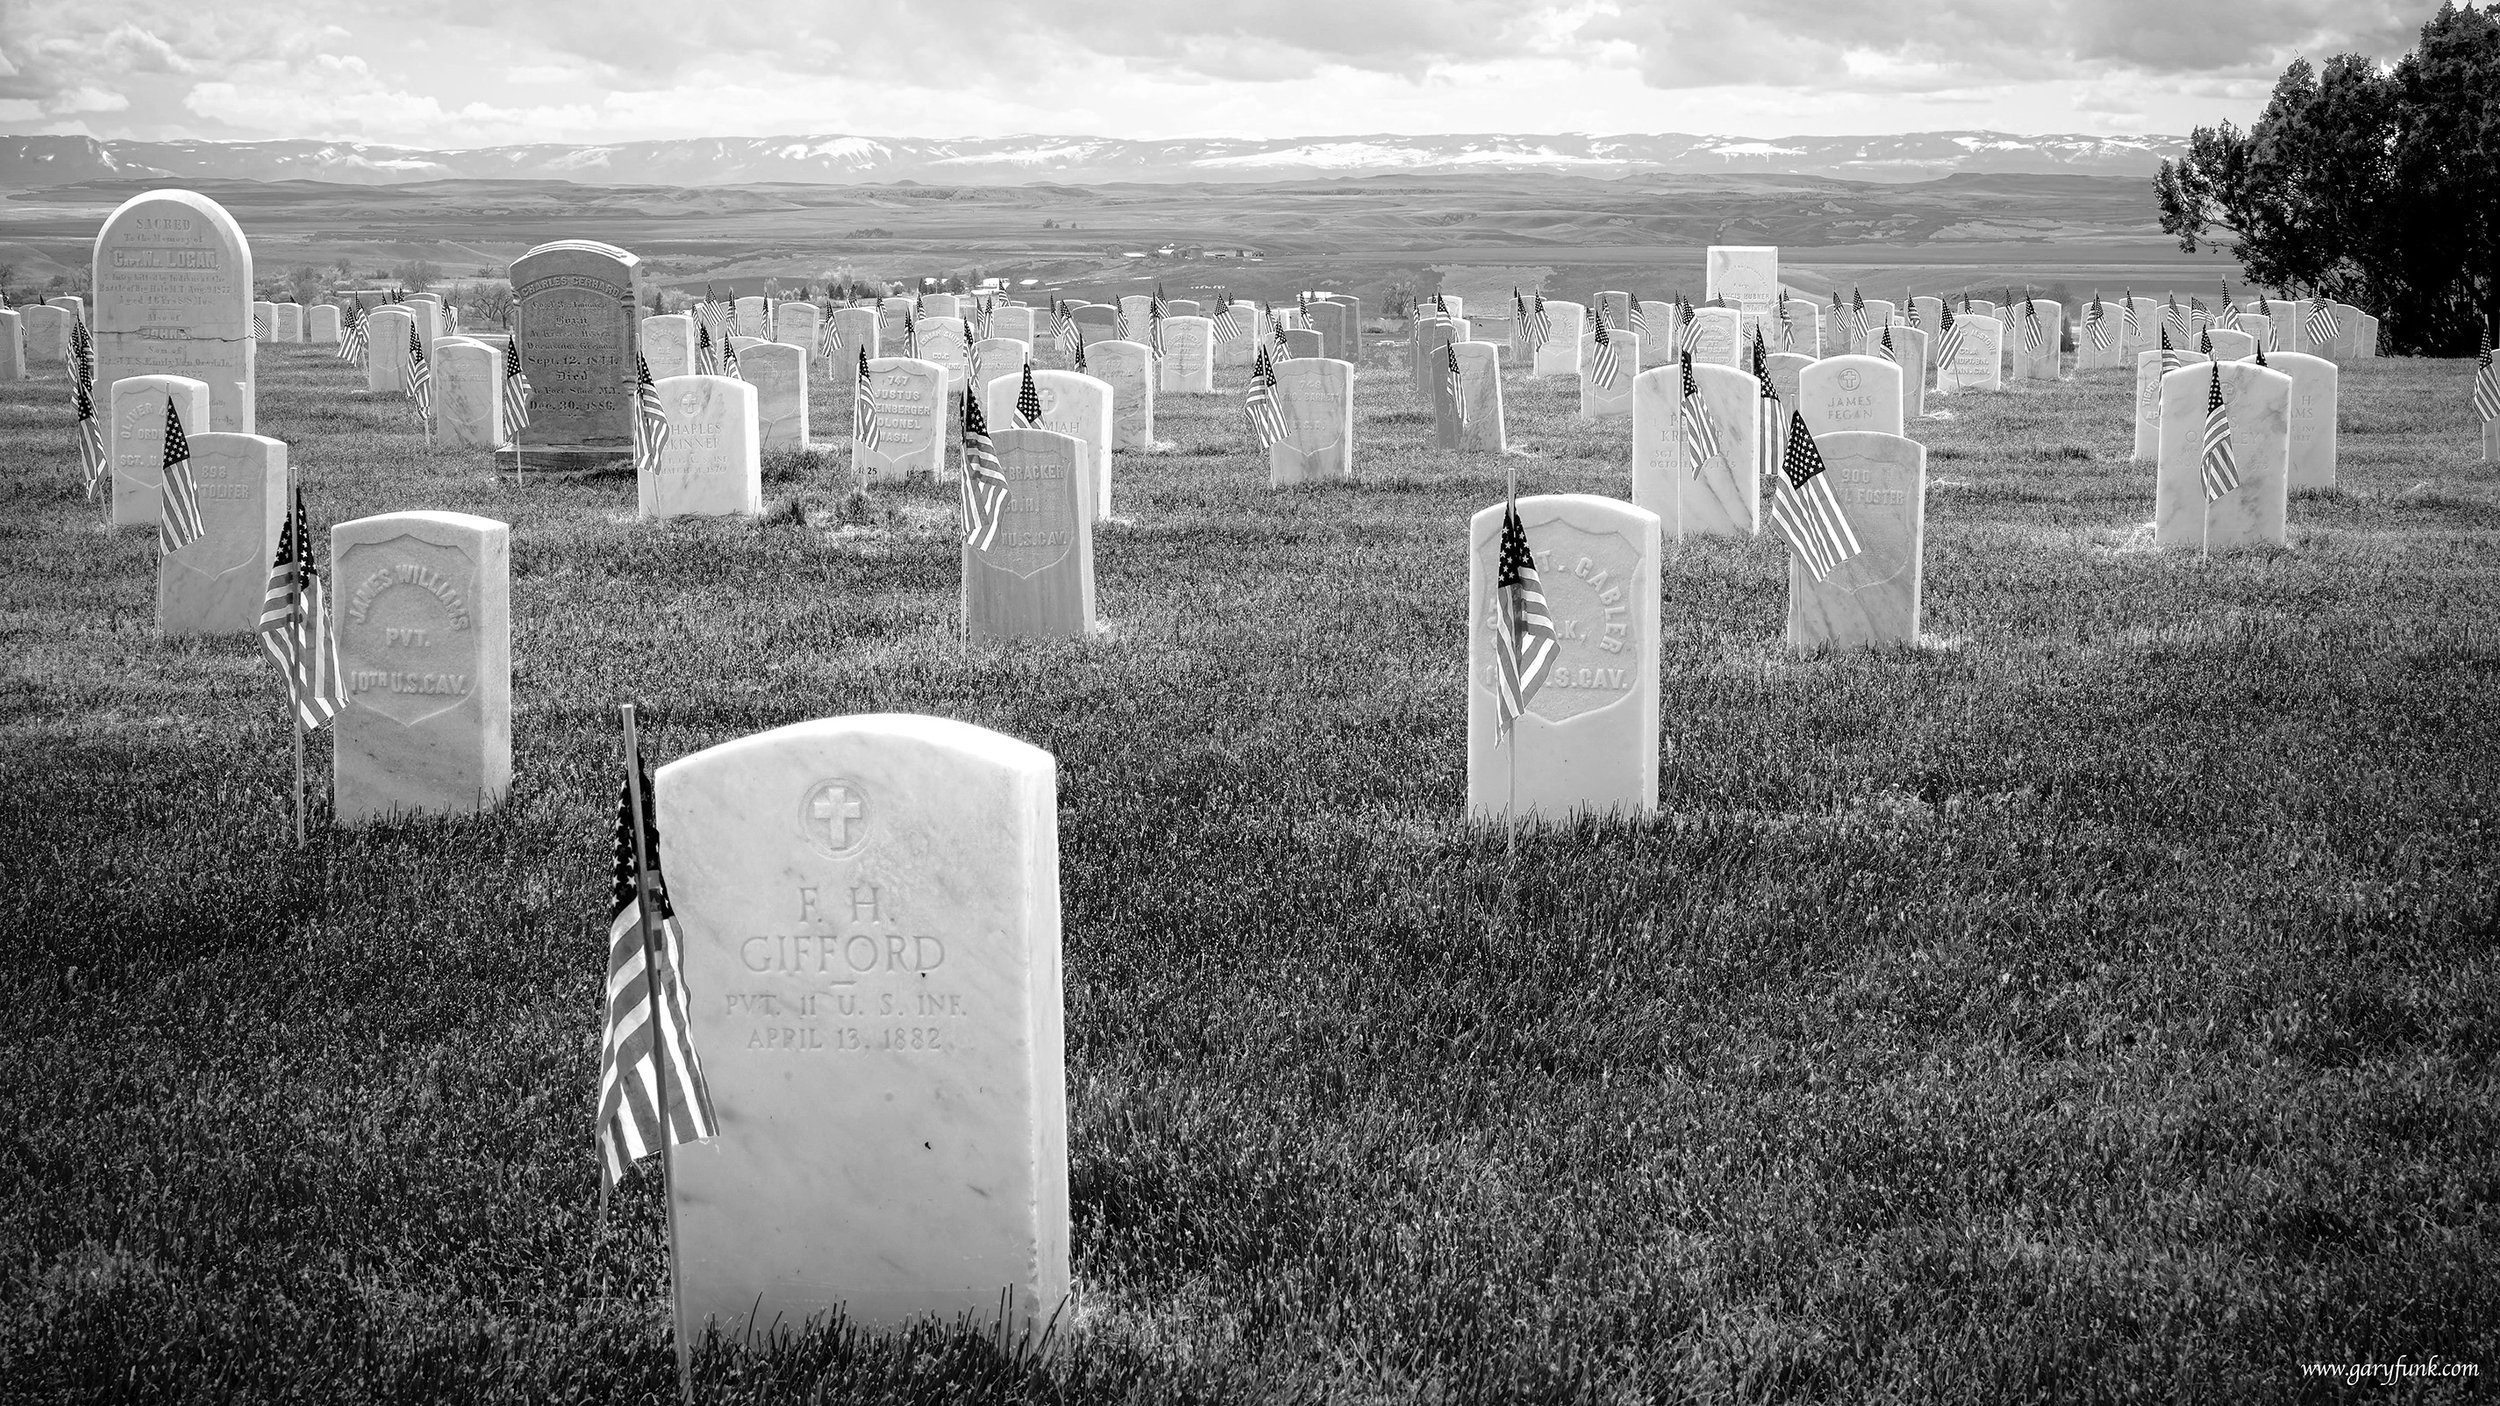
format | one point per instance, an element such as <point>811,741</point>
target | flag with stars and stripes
<point>2174,316</point>
<point>2197,313</point>
<point>178,518</point>
<point>2128,328</point>
<point>1080,358</point>
<point>1526,645</point>
<point>2221,470</point>
<point>1788,325</point>
<point>651,1087</point>
<point>1701,437</point>
<point>1230,334</point>
<point>1540,324</point>
<point>93,464</point>
<point>1857,318</point>
<point>2486,380</point>
<point>420,380</point>
<point>78,351</point>
<point>985,483</point>
<point>1638,322</point>
<point>911,335</point>
<point>1804,508</point>
<point>2035,336</point>
<point>1767,417</point>
<point>1910,301</point>
<point>2170,358</point>
<point>2321,325</point>
<point>2205,344</point>
<point>706,360</point>
<point>295,626</point>
<point>516,390</point>
<point>1064,331</point>
<point>2229,317</point>
<point>650,420</point>
<point>729,358</point>
<point>1604,366</point>
<point>1884,347</point>
<point>2096,323</point>
<point>1949,350</point>
<point>1688,330</point>
<point>865,431</point>
<point>714,316</point>
<point>1029,402</point>
<point>1453,383</point>
<point>972,357</point>
<point>1154,323</point>
<point>352,334</point>
<point>1266,421</point>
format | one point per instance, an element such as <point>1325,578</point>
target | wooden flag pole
<point>651,992</point>
<point>1510,806</point>
<point>295,715</point>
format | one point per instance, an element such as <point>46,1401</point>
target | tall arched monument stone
<point>173,297</point>
<point>576,310</point>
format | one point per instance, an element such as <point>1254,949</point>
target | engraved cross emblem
<point>836,807</point>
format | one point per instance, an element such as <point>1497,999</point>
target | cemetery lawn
<point>2097,1004</point>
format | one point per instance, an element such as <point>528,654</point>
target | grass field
<point>2098,1003</point>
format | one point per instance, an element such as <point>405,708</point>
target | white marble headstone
<point>215,584</point>
<point>135,439</point>
<point>1851,393</point>
<point>422,619</point>
<point>1872,599</point>
<point>710,466</point>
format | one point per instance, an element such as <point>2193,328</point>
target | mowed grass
<point>2097,1003</point>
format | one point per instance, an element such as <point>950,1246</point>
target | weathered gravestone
<point>2148,374</point>
<point>2259,326</point>
<point>2286,318</point>
<point>711,465</point>
<point>575,312</point>
<point>1618,306</point>
<point>941,305</point>
<point>1610,399</point>
<point>1136,318</point>
<point>1745,275</point>
<point>1480,396</point>
<point>47,334</point>
<point>941,340</point>
<point>321,325</point>
<point>1559,353</point>
<point>468,393</point>
<point>1315,399</point>
<point>1851,393</point>
<point>1182,307</point>
<point>910,399</point>
<point>137,445</point>
<point>1353,325</point>
<point>1872,599</point>
<point>2231,345</point>
<point>1588,740</point>
<point>1334,322</point>
<point>1803,333</point>
<point>2369,335</point>
<point>1785,368</point>
<point>1015,322</point>
<point>69,303</point>
<point>2311,418</point>
<point>1239,345</point>
<point>2146,335</point>
<point>1720,498</point>
<point>990,355</point>
<point>1880,314</point>
<point>1979,361</point>
<point>1096,322</point>
<point>2037,329</point>
<point>870,912</point>
<point>1036,579</point>
<point>264,320</point>
<point>1425,362</point>
<point>429,319</point>
<point>216,583</point>
<point>668,345</point>
<point>423,628</point>
<point>1302,343</point>
<point>1927,311</point>
<point>1128,368</point>
<point>2258,401</point>
<point>12,346</point>
<point>1073,404</point>
<point>854,330</point>
<point>895,317</point>
<point>1188,356</point>
<point>1909,348</point>
<point>778,371</point>
<point>2099,348</point>
<point>751,317</point>
<point>1717,339</point>
<point>287,323</point>
<point>799,324</point>
<point>387,331</point>
<point>1658,333</point>
<point>173,296</point>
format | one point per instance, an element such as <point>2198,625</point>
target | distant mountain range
<point>33,162</point>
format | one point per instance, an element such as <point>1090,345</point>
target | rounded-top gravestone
<point>173,297</point>
<point>576,309</point>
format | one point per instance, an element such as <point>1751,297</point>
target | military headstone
<point>854,330</point>
<point>2258,400</point>
<point>1302,343</point>
<point>172,281</point>
<point>576,313</point>
<point>1073,404</point>
<point>1805,329</point>
<point>1745,275</point>
<point>710,465</point>
<point>1721,497</point>
<point>1909,347</point>
<point>1979,363</point>
<point>137,443</point>
<point>321,324</point>
<point>941,305</point>
<point>1658,338</point>
<point>1013,322</point>
<point>47,335</point>
<point>778,371</point>
<point>1609,400</point>
<point>870,916</point>
<point>1128,368</point>
<point>942,341</point>
<point>12,346</point>
<point>1480,396</point>
<point>2231,344</point>
<point>1036,580</point>
<point>2037,335</point>
<point>1786,368</point>
<point>2148,374</point>
<point>2311,418</point>
<point>1566,328</point>
<point>1872,599</point>
<point>1096,322</point>
<point>287,323</point>
<point>668,344</point>
<point>386,349</point>
<point>1588,739</point>
<point>215,585</point>
<point>423,628</point>
<point>1188,356</point>
<point>1136,318</point>
<point>1334,322</point>
<point>1315,399</point>
<point>468,393</point>
<point>911,420</point>
<point>1715,338</point>
<point>264,320</point>
<point>1239,346</point>
<point>1841,393</point>
<point>750,317</point>
<point>799,324</point>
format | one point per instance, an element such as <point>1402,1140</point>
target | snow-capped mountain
<point>29,162</point>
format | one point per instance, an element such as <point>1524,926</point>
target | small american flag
<point>1603,365</point>
<point>1884,347</point>
<point>1231,333</point>
<point>2321,325</point>
<point>2229,317</point>
<point>1701,437</point>
<point>2486,380</point>
<point>729,358</point>
<point>647,1063</point>
<point>1638,321</point>
<point>1080,358</point>
<point>295,626</point>
<point>78,353</point>
<point>1539,325</point>
<point>2096,323</point>
<point>2128,328</point>
<point>1454,384</point>
<point>1788,325</point>
<point>92,462</point>
<point>1154,322</point>
<point>1276,326</point>
<point>1526,646</point>
<point>2197,313</point>
<point>178,519</point>
<point>2170,359</point>
<point>2205,344</point>
<point>1949,350</point>
<point>516,390</point>
<point>1803,508</point>
<point>2175,317</point>
<point>650,420</point>
<point>1911,302</point>
<point>2221,471</point>
<point>1767,418</point>
<point>352,334</point>
<point>1266,421</point>
<point>972,358</point>
<point>1029,402</point>
<point>1688,326</point>
<point>420,381</point>
<point>706,361</point>
<point>865,431</point>
<point>1064,331</point>
<point>1857,318</point>
<point>2035,337</point>
<point>985,483</point>
<point>911,336</point>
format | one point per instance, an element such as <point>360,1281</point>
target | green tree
<point>2377,187</point>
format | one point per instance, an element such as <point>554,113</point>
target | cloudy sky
<point>457,73</point>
